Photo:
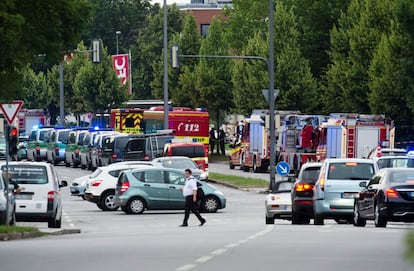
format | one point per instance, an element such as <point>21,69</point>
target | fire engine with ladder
<point>340,135</point>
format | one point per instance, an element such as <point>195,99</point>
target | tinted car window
<point>115,173</point>
<point>395,162</point>
<point>63,136</point>
<point>176,178</point>
<point>310,174</point>
<point>401,177</point>
<point>154,176</point>
<point>137,145</point>
<point>121,143</point>
<point>350,171</point>
<point>189,151</point>
<point>285,186</point>
<point>28,174</point>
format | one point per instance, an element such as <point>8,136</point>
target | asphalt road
<point>235,238</point>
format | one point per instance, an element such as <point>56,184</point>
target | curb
<point>250,189</point>
<point>24,235</point>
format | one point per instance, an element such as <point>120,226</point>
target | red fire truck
<point>189,124</point>
<point>126,120</point>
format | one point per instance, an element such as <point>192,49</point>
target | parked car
<point>7,204</point>
<point>279,203</point>
<point>89,142</point>
<point>182,162</point>
<point>74,143</point>
<point>22,147</point>
<point>37,144</point>
<point>97,149</point>
<point>196,151</point>
<point>56,146</point>
<point>378,152</point>
<point>100,188</point>
<point>388,196</point>
<point>154,188</point>
<point>3,151</point>
<point>302,193</point>
<point>146,147</point>
<point>113,148</point>
<point>338,184</point>
<point>394,161</point>
<point>78,186</point>
<point>40,197</point>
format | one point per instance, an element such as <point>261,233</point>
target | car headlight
<point>204,176</point>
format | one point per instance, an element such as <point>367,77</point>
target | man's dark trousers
<point>190,205</point>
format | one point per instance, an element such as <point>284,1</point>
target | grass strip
<point>238,181</point>
<point>16,229</point>
<point>410,247</point>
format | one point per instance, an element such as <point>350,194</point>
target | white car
<point>100,188</point>
<point>182,162</point>
<point>279,203</point>
<point>78,186</point>
<point>40,198</point>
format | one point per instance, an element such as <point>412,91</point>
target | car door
<point>155,189</point>
<point>176,181</point>
<point>367,197</point>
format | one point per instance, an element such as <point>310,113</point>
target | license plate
<point>24,196</point>
<point>348,195</point>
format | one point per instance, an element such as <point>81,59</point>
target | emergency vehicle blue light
<point>170,108</point>
<point>203,109</point>
<point>168,141</point>
<point>96,128</point>
<point>35,127</point>
<point>194,139</point>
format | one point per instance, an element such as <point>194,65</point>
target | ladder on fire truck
<point>153,146</point>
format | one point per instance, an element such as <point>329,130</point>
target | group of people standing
<point>217,139</point>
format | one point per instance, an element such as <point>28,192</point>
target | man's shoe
<point>203,222</point>
<point>183,225</point>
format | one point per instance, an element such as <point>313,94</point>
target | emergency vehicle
<point>126,120</point>
<point>254,149</point>
<point>188,123</point>
<point>30,119</point>
<point>339,135</point>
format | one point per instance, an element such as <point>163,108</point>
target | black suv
<point>302,193</point>
<point>146,147</point>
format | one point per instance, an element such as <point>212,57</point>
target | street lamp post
<point>117,34</point>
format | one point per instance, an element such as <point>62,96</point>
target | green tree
<point>352,46</point>
<point>98,86</point>
<point>34,89</point>
<point>214,75</point>
<point>147,52</point>
<point>32,27</point>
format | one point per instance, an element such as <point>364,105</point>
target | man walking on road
<point>190,194</point>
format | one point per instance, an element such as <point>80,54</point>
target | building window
<point>204,29</point>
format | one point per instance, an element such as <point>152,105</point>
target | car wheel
<point>358,221</point>
<point>379,220</point>
<point>210,204</point>
<point>99,205</point>
<point>125,209</point>
<point>270,220</point>
<point>83,166</point>
<point>297,218</point>
<point>108,202</point>
<point>306,220</point>
<point>318,219</point>
<point>136,206</point>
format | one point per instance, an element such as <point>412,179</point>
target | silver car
<point>7,211</point>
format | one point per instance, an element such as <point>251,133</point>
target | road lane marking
<point>226,248</point>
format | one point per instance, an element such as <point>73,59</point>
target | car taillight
<point>124,187</point>
<point>322,184</point>
<point>146,158</point>
<point>90,152</point>
<point>391,193</point>
<point>56,148</point>
<point>96,183</point>
<point>50,195</point>
<point>77,151</point>
<point>114,156</point>
<point>303,187</point>
<point>37,147</point>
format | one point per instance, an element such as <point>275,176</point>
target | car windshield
<point>63,136</point>
<point>403,162</point>
<point>350,171</point>
<point>284,186</point>
<point>189,151</point>
<point>25,174</point>
<point>179,163</point>
<point>402,177</point>
<point>310,174</point>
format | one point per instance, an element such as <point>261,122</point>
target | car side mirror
<point>363,184</point>
<point>63,183</point>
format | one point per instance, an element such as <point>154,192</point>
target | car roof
<point>172,158</point>
<point>396,169</point>
<point>345,160</point>
<point>312,164</point>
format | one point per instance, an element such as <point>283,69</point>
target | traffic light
<point>13,141</point>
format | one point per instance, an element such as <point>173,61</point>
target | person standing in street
<point>190,194</point>
<point>222,139</point>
